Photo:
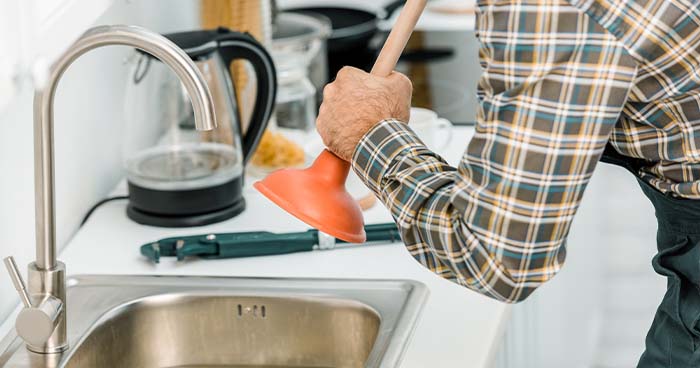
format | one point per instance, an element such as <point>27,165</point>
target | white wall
<point>562,323</point>
<point>89,132</point>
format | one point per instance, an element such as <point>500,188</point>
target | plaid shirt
<point>560,80</point>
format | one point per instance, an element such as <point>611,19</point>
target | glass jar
<point>305,36</point>
<point>296,105</point>
<point>293,120</point>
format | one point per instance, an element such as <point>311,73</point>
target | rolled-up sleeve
<point>553,86</point>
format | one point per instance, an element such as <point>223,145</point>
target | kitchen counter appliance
<point>190,178</point>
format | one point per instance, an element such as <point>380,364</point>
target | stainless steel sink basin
<point>213,330</point>
<point>178,322</point>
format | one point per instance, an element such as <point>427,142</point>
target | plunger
<point>317,195</point>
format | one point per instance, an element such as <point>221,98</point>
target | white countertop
<point>458,327</point>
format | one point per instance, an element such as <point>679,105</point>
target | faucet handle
<point>36,322</point>
<point>16,277</point>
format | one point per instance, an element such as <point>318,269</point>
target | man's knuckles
<point>329,90</point>
<point>348,72</point>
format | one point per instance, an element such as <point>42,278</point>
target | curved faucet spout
<point>42,323</point>
<point>137,37</point>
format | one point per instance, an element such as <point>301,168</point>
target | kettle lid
<point>198,43</point>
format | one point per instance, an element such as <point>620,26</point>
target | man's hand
<point>355,102</point>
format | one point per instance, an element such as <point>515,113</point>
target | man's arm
<point>553,87</point>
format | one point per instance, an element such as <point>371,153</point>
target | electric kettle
<point>176,175</point>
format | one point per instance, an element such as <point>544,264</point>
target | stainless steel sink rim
<point>398,317</point>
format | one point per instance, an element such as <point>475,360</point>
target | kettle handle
<point>242,46</point>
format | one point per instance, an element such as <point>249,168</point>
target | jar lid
<point>299,29</point>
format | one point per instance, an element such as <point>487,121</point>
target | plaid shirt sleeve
<point>554,84</point>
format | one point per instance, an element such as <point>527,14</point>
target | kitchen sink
<point>188,322</point>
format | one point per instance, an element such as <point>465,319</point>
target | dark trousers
<point>674,338</point>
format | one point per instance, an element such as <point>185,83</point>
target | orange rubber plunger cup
<point>317,195</point>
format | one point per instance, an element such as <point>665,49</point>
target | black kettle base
<point>208,218</point>
<point>185,208</point>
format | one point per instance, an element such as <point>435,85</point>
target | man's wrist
<point>377,149</point>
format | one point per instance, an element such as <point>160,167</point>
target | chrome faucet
<point>42,323</point>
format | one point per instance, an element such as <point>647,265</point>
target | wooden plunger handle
<point>398,38</point>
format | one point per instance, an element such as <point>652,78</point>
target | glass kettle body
<point>176,175</point>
